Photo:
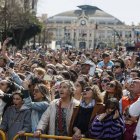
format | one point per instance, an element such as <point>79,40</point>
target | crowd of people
<point>91,93</point>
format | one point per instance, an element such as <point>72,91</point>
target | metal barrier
<point>2,135</point>
<point>48,136</point>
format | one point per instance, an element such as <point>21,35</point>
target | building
<point>89,27</point>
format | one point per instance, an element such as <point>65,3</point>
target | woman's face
<point>17,101</point>
<point>78,87</point>
<point>4,85</point>
<point>87,93</point>
<point>104,83</point>
<point>64,91</point>
<point>38,96</point>
<point>111,87</point>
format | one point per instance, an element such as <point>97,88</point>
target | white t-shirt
<point>134,110</point>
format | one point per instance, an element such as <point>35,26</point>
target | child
<point>109,125</point>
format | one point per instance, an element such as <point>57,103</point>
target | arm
<point>44,121</point>
<point>134,109</point>
<point>4,123</point>
<point>39,106</point>
<point>96,127</point>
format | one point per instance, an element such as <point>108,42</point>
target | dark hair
<point>113,103</point>
<point>122,64</point>
<point>137,71</point>
<point>104,55</point>
<point>19,93</point>
<point>117,94</point>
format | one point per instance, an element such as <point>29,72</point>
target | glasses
<point>105,81</point>
<point>111,85</point>
<point>87,89</point>
<point>116,66</point>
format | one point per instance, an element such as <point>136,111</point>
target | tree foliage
<point>18,23</point>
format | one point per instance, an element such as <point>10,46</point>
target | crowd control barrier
<point>48,137</point>
<point>2,135</point>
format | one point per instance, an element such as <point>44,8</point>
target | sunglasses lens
<point>87,89</point>
<point>105,81</point>
<point>117,67</point>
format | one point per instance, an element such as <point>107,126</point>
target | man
<point>134,93</point>
<point>134,111</point>
<point>88,68</point>
<point>106,63</point>
<point>118,70</point>
<point>135,73</point>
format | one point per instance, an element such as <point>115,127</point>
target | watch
<point>83,22</point>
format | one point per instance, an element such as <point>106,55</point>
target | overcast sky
<point>127,11</point>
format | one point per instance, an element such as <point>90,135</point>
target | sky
<point>128,11</point>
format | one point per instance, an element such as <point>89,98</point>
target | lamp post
<point>114,34</point>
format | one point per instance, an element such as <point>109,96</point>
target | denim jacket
<point>37,108</point>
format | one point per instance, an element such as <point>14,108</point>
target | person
<point>114,89</point>
<point>58,115</point>
<point>106,63</point>
<point>135,112</point>
<point>109,125</point>
<point>41,97</point>
<point>79,85</point>
<point>90,105</point>
<point>17,118</point>
<point>119,70</point>
<point>130,125</point>
<point>134,93</point>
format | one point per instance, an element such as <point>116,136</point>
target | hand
<point>26,84</point>
<point>37,133</point>
<point>1,94</point>
<point>10,70</point>
<point>21,133</point>
<point>102,116</point>
<point>116,115</point>
<point>77,135</point>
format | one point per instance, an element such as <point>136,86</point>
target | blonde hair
<point>40,71</point>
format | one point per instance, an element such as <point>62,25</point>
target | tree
<point>19,23</point>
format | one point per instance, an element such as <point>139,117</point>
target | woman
<point>114,89</point>
<point>6,88</point>
<point>58,115</point>
<point>79,85</point>
<point>109,125</point>
<point>17,118</point>
<point>90,105</point>
<point>41,97</point>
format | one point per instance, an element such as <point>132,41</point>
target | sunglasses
<point>117,67</point>
<point>87,89</point>
<point>105,81</point>
<point>111,85</point>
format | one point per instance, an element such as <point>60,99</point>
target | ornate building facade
<point>88,27</point>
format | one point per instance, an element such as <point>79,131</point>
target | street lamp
<point>114,34</point>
